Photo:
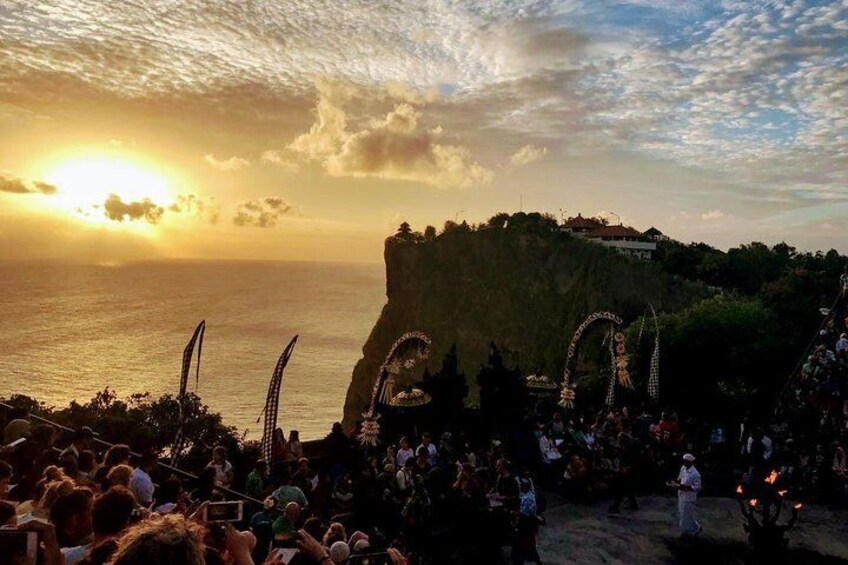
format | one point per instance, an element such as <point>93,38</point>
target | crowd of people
<point>422,499</point>
<point>810,449</point>
<point>452,498</point>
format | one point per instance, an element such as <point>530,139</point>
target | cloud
<point>281,160</point>
<point>713,215</point>
<point>229,165</point>
<point>14,185</point>
<point>195,206</point>
<point>145,210</point>
<point>261,212</point>
<point>396,147</point>
<point>526,155</point>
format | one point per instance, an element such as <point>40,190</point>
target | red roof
<point>614,231</point>
<point>581,223</point>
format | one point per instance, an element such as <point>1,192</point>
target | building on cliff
<point>624,239</point>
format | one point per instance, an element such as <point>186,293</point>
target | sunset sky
<point>307,129</point>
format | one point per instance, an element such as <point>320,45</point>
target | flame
<point>772,478</point>
<point>753,502</point>
<point>739,489</point>
<point>797,506</point>
<point>782,492</point>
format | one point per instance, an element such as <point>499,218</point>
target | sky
<point>309,129</point>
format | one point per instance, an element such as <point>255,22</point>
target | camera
<point>18,547</point>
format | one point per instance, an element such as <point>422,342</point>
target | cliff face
<point>526,292</point>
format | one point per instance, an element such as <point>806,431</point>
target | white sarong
<point>686,510</point>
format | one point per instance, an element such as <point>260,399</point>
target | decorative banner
<point>613,347</point>
<point>272,402</point>
<point>654,378</point>
<point>188,355</point>
<point>568,394</point>
<point>415,346</point>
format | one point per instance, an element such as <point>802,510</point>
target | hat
<point>15,430</point>
<point>689,457</point>
<point>339,552</point>
<point>361,546</point>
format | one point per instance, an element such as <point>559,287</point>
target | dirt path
<point>587,534</point>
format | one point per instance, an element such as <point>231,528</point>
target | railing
<point>104,443</point>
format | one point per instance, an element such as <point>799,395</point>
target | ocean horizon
<point>69,330</point>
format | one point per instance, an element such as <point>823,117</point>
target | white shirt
<point>142,485</point>
<point>221,472</point>
<point>74,555</point>
<point>690,478</point>
<point>432,453</point>
<point>403,455</point>
<point>768,447</point>
<point>548,449</point>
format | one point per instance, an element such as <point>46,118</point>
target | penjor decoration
<point>188,355</point>
<point>567,395</point>
<point>405,353</point>
<point>272,402</point>
<point>654,378</point>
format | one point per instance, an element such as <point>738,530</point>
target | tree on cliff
<point>502,394</point>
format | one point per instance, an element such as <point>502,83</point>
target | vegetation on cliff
<point>516,281</point>
<point>732,323</point>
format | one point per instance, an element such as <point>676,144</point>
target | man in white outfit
<point>688,484</point>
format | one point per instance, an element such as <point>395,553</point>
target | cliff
<point>524,289</point>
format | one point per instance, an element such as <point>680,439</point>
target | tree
<point>429,233</point>
<point>502,394</point>
<point>448,389</point>
<point>721,357</point>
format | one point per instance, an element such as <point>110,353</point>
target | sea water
<point>68,331</point>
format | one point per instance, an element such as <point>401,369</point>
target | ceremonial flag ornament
<point>272,402</point>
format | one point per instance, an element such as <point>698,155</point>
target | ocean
<point>68,331</point>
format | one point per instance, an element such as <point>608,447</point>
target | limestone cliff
<point>525,290</point>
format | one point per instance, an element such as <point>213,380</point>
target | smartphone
<point>18,547</point>
<point>285,554</point>
<point>220,512</point>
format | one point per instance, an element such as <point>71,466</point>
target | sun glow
<point>84,184</point>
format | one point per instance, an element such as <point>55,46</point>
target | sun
<point>84,183</point>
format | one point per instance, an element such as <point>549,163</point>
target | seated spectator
<point>141,483</point>
<point>119,476</point>
<point>173,540</point>
<point>257,480</point>
<point>287,492</point>
<point>71,514</point>
<point>111,514</point>
<point>295,447</point>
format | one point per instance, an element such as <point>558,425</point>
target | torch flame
<point>753,502</point>
<point>782,492</point>
<point>799,505</point>
<point>739,489</point>
<point>772,478</point>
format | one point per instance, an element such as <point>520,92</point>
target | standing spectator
<point>524,549</point>
<point>405,452</point>
<point>223,468</point>
<point>432,452</point>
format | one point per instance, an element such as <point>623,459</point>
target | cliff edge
<point>526,290</point>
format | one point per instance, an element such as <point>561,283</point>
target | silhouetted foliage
<point>502,394</point>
